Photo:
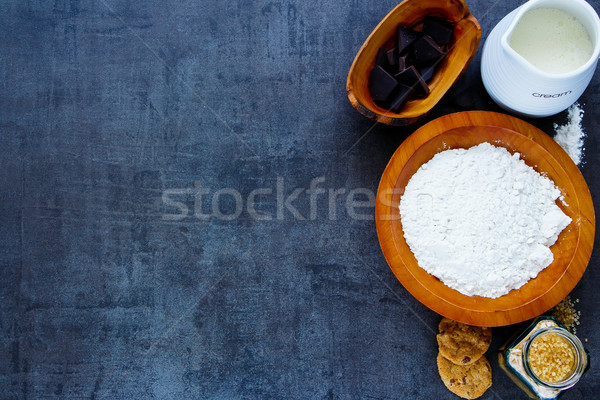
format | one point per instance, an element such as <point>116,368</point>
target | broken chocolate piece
<point>392,57</point>
<point>400,96</point>
<point>402,63</point>
<point>411,77</point>
<point>405,61</point>
<point>427,72</point>
<point>405,37</point>
<point>382,84</point>
<point>404,71</point>
<point>381,59</point>
<point>426,51</point>
<point>439,30</point>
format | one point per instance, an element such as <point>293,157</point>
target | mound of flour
<point>481,220</point>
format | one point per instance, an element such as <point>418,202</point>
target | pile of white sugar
<point>570,136</point>
<point>481,220</point>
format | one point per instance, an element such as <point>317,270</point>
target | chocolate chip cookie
<point>462,344</point>
<point>466,381</point>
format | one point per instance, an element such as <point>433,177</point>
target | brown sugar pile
<point>566,313</point>
<point>551,358</point>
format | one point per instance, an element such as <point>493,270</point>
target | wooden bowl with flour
<point>571,251</point>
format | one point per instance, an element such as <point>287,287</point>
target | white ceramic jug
<point>517,85</point>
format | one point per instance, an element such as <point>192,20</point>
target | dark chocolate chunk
<point>411,77</point>
<point>427,72</point>
<point>381,59</point>
<point>404,70</point>
<point>426,51</point>
<point>400,96</point>
<point>382,84</point>
<point>405,37</point>
<point>402,63</point>
<point>392,57</point>
<point>439,30</point>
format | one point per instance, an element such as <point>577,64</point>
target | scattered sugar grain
<point>566,313</point>
<point>571,135</point>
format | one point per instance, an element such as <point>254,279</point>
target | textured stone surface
<point>107,294</point>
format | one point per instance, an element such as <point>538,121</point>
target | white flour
<point>570,136</point>
<point>481,220</point>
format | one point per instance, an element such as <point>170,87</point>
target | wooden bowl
<point>410,13</point>
<point>572,250</point>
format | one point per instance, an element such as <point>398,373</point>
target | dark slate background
<point>107,104</point>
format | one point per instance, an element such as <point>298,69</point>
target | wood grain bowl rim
<point>484,311</point>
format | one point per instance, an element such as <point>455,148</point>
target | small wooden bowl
<point>572,250</point>
<point>410,13</point>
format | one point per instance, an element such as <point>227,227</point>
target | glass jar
<point>545,359</point>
